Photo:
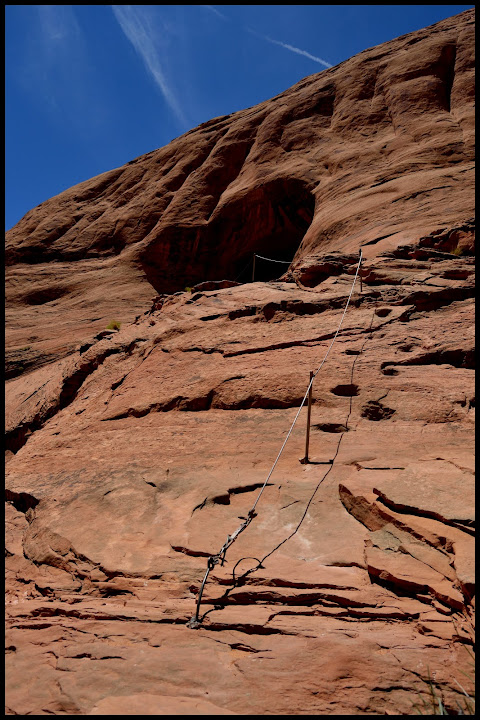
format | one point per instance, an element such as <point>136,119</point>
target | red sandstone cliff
<point>133,454</point>
<point>375,152</point>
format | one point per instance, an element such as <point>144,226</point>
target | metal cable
<point>213,560</point>
<point>309,385</point>
<point>260,562</point>
<point>284,262</point>
<point>242,271</point>
<point>237,581</point>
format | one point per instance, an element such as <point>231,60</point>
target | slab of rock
<point>447,492</point>
<point>133,456</point>
<point>145,704</point>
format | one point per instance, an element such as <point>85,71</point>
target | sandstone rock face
<point>375,152</point>
<point>134,454</point>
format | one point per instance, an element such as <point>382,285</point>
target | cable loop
<point>248,557</point>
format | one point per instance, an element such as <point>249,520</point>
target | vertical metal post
<point>195,621</point>
<point>305,460</point>
<point>360,269</point>
<point>253,270</point>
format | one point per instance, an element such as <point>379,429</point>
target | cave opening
<point>276,219</point>
<point>269,220</point>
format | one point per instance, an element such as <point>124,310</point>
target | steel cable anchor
<point>194,623</point>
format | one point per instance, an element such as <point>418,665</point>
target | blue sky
<point>90,87</point>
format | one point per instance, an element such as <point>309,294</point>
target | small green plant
<point>188,289</point>
<point>114,325</point>
<point>434,704</point>
<point>468,699</point>
<point>457,251</point>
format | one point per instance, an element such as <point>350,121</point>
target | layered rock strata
<point>142,451</point>
<point>376,152</point>
<point>132,456</point>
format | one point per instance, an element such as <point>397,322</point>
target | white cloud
<point>58,23</point>
<point>136,25</point>
<point>51,65</point>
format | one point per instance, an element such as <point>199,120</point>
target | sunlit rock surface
<point>133,454</point>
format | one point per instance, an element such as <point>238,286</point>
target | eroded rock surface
<point>132,457</point>
<point>376,152</point>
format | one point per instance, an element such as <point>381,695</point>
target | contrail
<point>298,51</point>
<point>291,47</point>
<point>326,64</point>
<point>137,30</point>
<point>213,9</point>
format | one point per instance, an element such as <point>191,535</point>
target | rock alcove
<point>270,219</point>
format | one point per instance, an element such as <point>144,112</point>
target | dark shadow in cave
<point>269,219</point>
<point>279,213</point>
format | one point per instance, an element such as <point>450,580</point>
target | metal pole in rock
<point>305,460</point>
<point>360,269</point>
<point>253,269</point>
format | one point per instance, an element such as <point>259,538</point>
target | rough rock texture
<point>375,152</point>
<point>133,456</point>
